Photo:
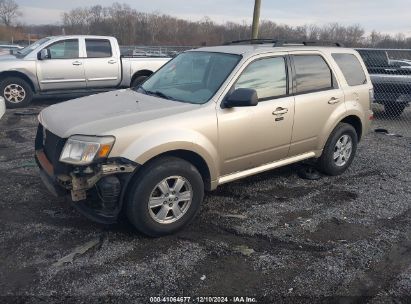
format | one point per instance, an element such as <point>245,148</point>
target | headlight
<point>83,150</point>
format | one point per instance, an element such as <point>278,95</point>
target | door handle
<point>77,63</point>
<point>334,100</point>
<point>112,61</point>
<point>280,111</point>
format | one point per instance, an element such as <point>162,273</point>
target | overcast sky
<point>388,16</point>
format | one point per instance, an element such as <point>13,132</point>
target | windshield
<point>31,47</point>
<point>192,77</point>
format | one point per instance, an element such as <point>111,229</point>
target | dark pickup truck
<point>391,80</point>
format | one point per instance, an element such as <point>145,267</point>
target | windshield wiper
<point>159,94</point>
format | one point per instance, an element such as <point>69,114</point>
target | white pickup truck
<point>70,65</point>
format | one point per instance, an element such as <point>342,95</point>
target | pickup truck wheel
<point>138,80</point>
<point>339,151</point>
<point>394,110</point>
<point>164,197</point>
<point>17,92</point>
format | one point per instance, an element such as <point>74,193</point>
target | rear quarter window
<point>351,69</point>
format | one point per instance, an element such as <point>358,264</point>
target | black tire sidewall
<point>21,82</point>
<point>138,80</point>
<point>326,162</point>
<point>142,186</point>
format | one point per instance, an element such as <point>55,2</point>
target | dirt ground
<point>273,236</point>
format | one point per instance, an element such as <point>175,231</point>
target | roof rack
<point>322,43</point>
<point>278,43</point>
<point>252,41</point>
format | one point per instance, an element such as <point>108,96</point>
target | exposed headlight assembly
<point>83,150</point>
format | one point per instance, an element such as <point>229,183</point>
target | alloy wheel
<point>170,199</point>
<point>14,93</point>
<point>342,150</point>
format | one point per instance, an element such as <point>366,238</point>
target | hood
<point>101,113</point>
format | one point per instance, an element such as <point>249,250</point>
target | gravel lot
<point>274,236</point>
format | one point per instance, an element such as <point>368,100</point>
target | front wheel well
<point>355,121</point>
<point>5,75</point>
<point>195,159</point>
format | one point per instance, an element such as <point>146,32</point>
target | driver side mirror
<point>241,97</point>
<point>44,54</point>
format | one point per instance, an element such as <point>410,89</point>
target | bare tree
<point>133,27</point>
<point>9,11</point>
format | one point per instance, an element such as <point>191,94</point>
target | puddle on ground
<point>334,197</point>
<point>335,230</point>
<point>291,217</point>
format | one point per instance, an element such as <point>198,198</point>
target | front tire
<point>339,151</point>
<point>165,196</point>
<point>16,92</point>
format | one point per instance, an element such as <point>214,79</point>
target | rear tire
<point>16,92</point>
<point>138,80</point>
<point>394,110</point>
<point>339,151</point>
<point>156,205</point>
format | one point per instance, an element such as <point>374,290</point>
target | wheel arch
<point>193,158</point>
<point>354,121</point>
<point>352,117</point>
<point>145,72</point>
<point>6,74</point>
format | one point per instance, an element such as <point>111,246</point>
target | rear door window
<point>98,48</point>
<point>351,69</point>
<point>312,74</point>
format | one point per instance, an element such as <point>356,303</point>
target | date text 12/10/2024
<point>235,299</point>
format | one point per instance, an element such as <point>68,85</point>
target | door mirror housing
<point>241,97</point>
<point>44,54</point>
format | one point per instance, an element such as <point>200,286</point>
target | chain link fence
<point>390,71</point>
<point>153,51</point>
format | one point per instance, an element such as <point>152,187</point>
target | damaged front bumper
<point>96,190</point>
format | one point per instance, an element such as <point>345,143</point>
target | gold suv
<point>208,117</point>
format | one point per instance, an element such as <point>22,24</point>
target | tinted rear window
<point>351,68</point>
<point>98,48</point>
<point>312,73</point>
